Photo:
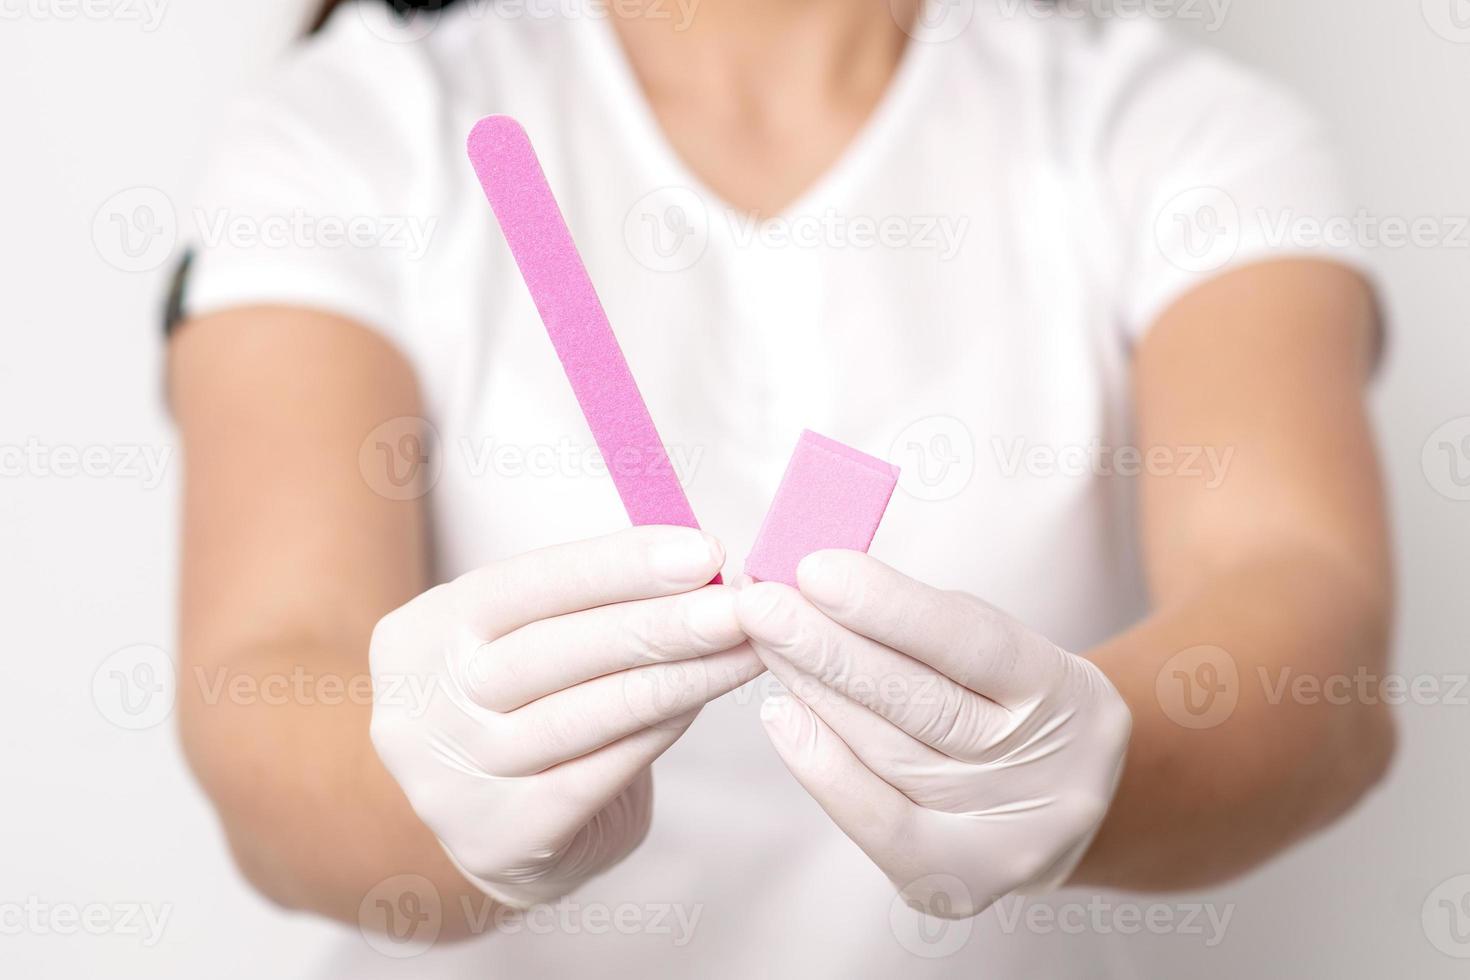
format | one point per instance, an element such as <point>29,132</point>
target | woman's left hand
<point>966,755</point>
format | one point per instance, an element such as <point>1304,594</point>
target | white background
<point>100,98</point>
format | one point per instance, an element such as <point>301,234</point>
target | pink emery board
<point>832,496</point>
<point>562,291</point>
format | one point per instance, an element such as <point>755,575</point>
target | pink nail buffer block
<point>832,496</point>
<point>533,225</point>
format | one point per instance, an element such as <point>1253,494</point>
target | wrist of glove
<point>966,755</point>
<point>520,706</point>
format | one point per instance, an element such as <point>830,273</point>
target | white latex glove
<point>555,678</point>
<point>966,755</point>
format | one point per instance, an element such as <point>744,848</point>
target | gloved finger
<point>550,655</point>
<point>639,563</point>
<point>939,835</point>
<point>586,784</point>
<point>977,645</point>
<point>587,716</point>
<point>565,799</point>
<point>877,817</point>
<point>913,696</point>
<point>919,772</point>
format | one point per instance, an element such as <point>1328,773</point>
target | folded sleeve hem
<point>1148,308</point>
<point>213,289</point>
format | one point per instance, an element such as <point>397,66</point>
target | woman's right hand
<point>520,705</point>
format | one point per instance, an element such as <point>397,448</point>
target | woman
<point>1035,258</point>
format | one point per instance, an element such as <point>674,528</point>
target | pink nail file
<point>832,496</point>
<point>538,237</point>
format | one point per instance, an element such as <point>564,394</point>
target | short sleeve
<point>1209,167</point>
<point>312,193</point>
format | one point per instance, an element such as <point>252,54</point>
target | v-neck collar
<point>873,138</point>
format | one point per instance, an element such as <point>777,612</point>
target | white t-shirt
<point>959,293</point>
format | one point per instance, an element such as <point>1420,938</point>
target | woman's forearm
<point>313,819</point>
<point>290,556</point>
<point>1234,755</point>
